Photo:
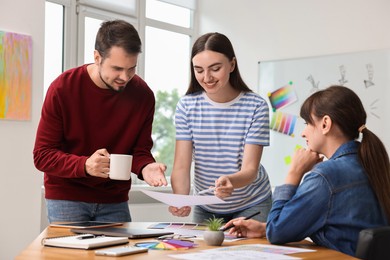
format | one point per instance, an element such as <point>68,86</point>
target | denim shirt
<point>332,205</point>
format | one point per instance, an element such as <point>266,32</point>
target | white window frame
<point>144,21</point>
<point>75,12</point>
<point>70,28</point>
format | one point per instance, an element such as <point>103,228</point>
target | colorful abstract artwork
<point>282,97</point>
<point>283,123</point>
<point>15,76</point>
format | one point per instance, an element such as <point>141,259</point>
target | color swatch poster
<point>282,97</point>
<point>283,123</point>
<point>15,76</point>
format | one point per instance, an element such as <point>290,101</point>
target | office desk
<point>36,251</point>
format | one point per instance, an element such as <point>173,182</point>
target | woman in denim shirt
<point>338,197</point>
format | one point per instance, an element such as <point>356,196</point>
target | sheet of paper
<point>178,200</point>
<point>232,255</point>
<point>189,229</point>
<point>274,249</point>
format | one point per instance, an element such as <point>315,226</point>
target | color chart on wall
<point>283,123</point>
<point>282,97</point>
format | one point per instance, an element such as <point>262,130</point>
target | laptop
<point>123,232</point>
<point>85,224</point>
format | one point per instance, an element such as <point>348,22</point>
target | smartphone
<point>118,251</point>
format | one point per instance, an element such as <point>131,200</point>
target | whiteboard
<point>367,73</point>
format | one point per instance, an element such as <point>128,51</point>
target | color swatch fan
<point>169,244</point>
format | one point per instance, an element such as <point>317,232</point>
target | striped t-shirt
<point>218,132</point>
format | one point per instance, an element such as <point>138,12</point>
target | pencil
<point>231,225</point>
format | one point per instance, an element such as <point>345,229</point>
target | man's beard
<point>120,89</point>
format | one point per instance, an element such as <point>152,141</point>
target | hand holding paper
<point>179,200</point>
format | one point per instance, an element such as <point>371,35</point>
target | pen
<point>206,191</point>
<point>88,236</point>
<point>231,225</point>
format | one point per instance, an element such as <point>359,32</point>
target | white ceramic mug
<point>120,166</point>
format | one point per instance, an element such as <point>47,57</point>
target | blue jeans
<point>66,210</point>
<point>200,214</point>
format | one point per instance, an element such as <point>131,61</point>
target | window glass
<point>167,57</point>
<point>54,24</point>
<point>168,13</point>
<point>167,73</point>
<point>91,28</point>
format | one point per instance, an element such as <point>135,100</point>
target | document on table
<point>233,255</point>
<point>178,200</point>
<point>274,249</point>
<point>249,251</point>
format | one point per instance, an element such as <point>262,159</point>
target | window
<point>166,28</point>
<point>54,45</point>
<point>168,34</point>
<point>91,26</point>
<point>91,14</point>
<point>168,13</point>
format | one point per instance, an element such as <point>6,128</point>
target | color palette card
<point>282,97</point>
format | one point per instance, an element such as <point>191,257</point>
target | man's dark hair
<point>117,33</point>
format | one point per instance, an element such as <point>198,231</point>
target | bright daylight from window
<point>53,44</point>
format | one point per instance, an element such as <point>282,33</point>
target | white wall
<point>20,182</point>
<point>281,29</point>
<point>259,30</point>
<point>262,30</point>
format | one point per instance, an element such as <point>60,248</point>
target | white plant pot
<point>213,238</point>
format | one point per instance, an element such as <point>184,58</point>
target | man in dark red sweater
<point>89,112</point>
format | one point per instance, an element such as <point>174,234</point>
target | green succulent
<point>214,224</point>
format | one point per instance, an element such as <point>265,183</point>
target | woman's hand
<point>223,187</point>
<point>247,228</point>
<point>302,162</point>
<point>180,212</point>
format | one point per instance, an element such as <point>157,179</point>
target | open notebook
<point>84,241</point>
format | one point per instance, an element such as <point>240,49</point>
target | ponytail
<point>375,160</point>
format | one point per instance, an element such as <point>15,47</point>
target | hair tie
<point>362,128</point>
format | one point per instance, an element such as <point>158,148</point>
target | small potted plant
<point>213,236</point>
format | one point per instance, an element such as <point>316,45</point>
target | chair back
<point>374,244</point>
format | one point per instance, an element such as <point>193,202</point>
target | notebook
<point>84,241</point>
<point>121,232</point>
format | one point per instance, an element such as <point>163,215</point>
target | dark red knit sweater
<point>79,118</point>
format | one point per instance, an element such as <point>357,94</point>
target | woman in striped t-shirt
<point>222,126</point>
